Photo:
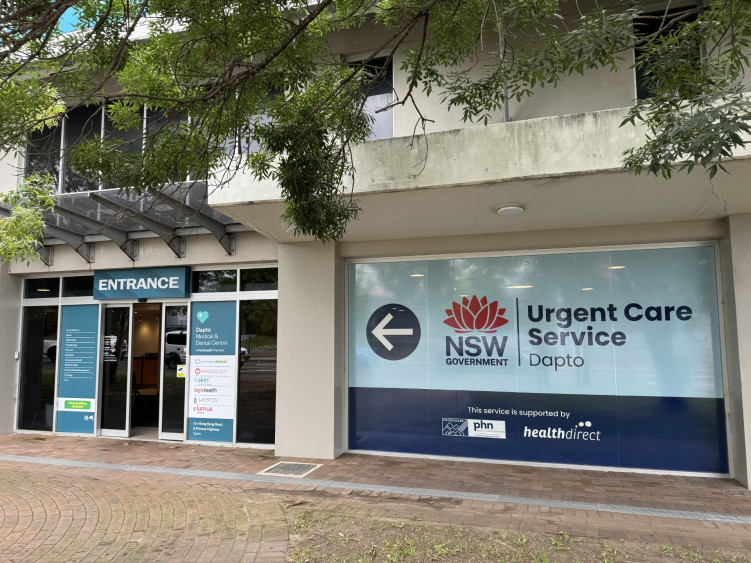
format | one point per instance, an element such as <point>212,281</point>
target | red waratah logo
<point>475,315</point>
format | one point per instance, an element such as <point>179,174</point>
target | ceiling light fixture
<point>587,288</point>
<point>510,210</point>
<point>518,286</point>
<point>417,275</point>
<point>616,267</point>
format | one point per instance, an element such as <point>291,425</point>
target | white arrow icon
<point>380,332</point>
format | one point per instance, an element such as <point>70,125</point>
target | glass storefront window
<point>173,383</point>
<point>38,360</point>
<point>256,385</point>
<point>214,281</point>
<point>78,286</point>
<point>259,279</point>
<point>41,288</point>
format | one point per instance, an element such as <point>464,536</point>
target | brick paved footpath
<point>73,499</point>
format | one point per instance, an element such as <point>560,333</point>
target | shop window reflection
<point>214,281</point>
<point>39,357</point>
<point>256,385</point>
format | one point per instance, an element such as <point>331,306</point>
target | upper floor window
<point>48,151</point>
<point>380,92</point>
<point>654,26</point>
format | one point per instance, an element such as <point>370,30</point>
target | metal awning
<point>172,213</point>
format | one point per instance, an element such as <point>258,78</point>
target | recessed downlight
<point>510,210</point>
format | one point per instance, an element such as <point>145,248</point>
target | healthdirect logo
<point>582,431</point>
<point>475,315</point>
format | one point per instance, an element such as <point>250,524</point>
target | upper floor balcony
<point>565,171</point>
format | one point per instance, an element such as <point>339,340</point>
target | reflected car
<point>174,341</point>
<point>171,359</point>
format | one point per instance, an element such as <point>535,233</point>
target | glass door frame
<point>113,432</point>
<point>173,436</point>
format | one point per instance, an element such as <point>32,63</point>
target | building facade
<point>508,294</point>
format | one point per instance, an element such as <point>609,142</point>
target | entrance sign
<point>213,371</point>
<point>76,387</point>
<point>142,283</point>
<point>598,358</point>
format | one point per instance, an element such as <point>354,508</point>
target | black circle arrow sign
<point>393,331</point>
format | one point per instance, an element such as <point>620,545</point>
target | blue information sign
<point>76,387</point>
<point>598,358</point>
<point>142,283</point>
<point>213,371</point>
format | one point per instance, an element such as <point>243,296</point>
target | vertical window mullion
<point>144,127</point>
<point>100,183</point>
<point>61,165</point>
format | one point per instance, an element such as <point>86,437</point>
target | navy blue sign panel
<point>393,332</point>
<point>669,433</point>
<point>76,387</point>
<point>142,283</point>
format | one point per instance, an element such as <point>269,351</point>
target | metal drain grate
<point>290,469</point>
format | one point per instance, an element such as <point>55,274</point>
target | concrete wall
<point>10,313</point>
<point>10,171</point>
<point>593,90</point>
<point>310,372</point>
<point>538,240</point>
<point>736,260</point>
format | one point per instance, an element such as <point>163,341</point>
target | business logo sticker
<point>473,428</point>
<point>581,431</point>
<point>478,316</point>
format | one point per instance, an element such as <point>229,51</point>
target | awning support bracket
<point>165,232</point>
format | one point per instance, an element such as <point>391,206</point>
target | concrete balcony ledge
<point>548,146</point>
<point>566,171</point>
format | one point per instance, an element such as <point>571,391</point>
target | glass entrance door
<point>174,370</point>
<point>146,354</point>
<point>116,385</point>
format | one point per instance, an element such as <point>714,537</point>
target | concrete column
<point>735,256</point>
<point>310,367</point>
<point>10,313</point>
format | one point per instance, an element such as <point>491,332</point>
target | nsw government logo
<point>476,316</point>
<point>473,428</point>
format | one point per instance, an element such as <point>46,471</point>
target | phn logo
<point>476,315</point>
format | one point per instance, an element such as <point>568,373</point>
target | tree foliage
<point>263,73</point>
<point>22,231</point>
